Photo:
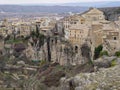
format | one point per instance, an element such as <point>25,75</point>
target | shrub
<point>113,63</point>
<point>102,53</point>
<point>117,53</point>
<point>97,51</point>
<point>42,62</point>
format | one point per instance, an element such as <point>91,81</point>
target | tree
<point>37,41</point>
<point>48,48</point>
<point>97,51</point>
<point>117,53</point>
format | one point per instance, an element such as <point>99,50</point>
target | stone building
<point>87,19</point>
<point>77,34</point>
<point>93,27</point>
<point>5,28</point>
<point>72,20</point>
<point>111,38</point>
<point>93,14</point>
<point>24,29</point>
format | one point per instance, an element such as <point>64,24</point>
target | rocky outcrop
<point>49,76</point>
<point>104,79</point>
<point>61,52</point>
<point>104,61</point>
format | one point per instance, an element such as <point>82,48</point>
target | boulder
<point>104,62</point>
<point>21,62</point>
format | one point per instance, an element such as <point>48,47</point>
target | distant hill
<point>95,4</point>
<point>48,9</point>
<point>111,13</point>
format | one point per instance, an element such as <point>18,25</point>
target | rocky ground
<point>49,75</point>
<point>103,79</point>
<point>20,72</point>
<point>103,75</point>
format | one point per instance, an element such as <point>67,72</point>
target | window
<point>115,38</point>
<point>74,22</point>
<point>76,49</point>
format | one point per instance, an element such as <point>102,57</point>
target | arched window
<point>76,49</point>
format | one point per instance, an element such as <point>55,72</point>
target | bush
<point>113,63</point>
<point>117,53</point>
<point>97,51</point>
<point>102,53</point>
<point>42,62</point>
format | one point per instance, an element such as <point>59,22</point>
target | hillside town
<point>90,27</point>
<point>27,44</point>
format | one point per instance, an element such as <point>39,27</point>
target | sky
<point>46,1</point>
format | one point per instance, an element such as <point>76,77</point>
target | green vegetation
<point>90,62</point>
<point>37,37</point>
<point>11,41</point>
<point>117,53</point>
<point>102,53</point>
<point>97,51</point>
<point>42,62</point>
<point>35,62</point>
<point>113,63</point>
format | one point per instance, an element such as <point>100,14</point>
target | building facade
<point>92,25</point>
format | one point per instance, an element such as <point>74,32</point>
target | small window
<point>76,49</point>
<point>75,23</point>
<point>115,38</point>
<point>52,41</point>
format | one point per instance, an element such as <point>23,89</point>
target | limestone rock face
<point>57,54</point>
<point>1,44</point>
<point>104,79</point>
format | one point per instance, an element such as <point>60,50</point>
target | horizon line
<point>53,3</point>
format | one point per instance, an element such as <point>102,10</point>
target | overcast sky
<point>46,1</point>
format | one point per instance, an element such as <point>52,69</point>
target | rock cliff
<point>103,79</point>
